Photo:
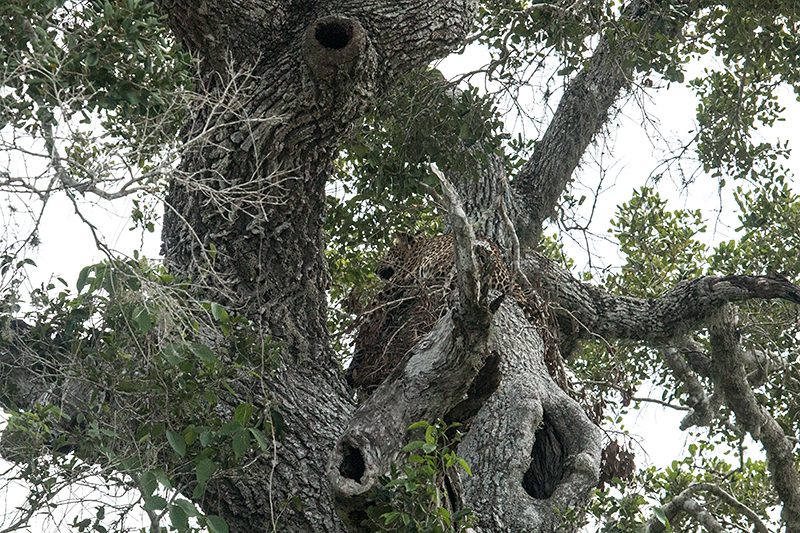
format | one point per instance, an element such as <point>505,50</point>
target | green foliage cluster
<point>661,249</point>
<point>415,499</point>
<point>660,246</point>
<point>112,57</point>
<point>378,186</point>
<point>131,333</point>
<point>627,506</point>
<point>132,337</point>
<point>757,45</point>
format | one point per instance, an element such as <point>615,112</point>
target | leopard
<point>418,274</point>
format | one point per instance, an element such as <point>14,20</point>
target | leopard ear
<point>404,240</point>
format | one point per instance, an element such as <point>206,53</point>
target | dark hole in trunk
<point>352,466</point>
<point>547,463</point>
<point>334,35</point>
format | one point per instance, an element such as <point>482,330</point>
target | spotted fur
<point>419,273</point>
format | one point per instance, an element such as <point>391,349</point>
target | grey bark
<point>315,69</point>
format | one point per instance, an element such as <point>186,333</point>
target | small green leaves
<point>177,442</point>
<point>203,352</point>
<point>216,524</point>
<point>203,471</point>
<point>414,497</point>
<point>658,512</point>
<point>178,518</point>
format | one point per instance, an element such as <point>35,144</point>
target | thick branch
<point>533,451</point>
<point>531,448</point>
<point>585,311</point>
<point>701,408</point>
<point>685,502</point>
<point>414,391</point>
<point>730,377</point>
<point>581,114</point>
<point>472,313</point>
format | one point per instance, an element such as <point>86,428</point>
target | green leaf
<point>203,352</point>
<point>205,469</point>
<point>260,438</point>
<point>413,445</point>
<point>216,524</point>
<point>141,318</point>
<point>297,504</point>
<point>445,514</point>
<point>187,506</point>
<point>429,437</point>
<point>464,465</point>
<point>155,503</point>
<point>661,517</point>
<point>219,312</point>
<point>388,518</point>
<point>148,484</point>
<point>82,277</point>
<point>178,518</point>
<point>243,413</point>
<point>177,442</point>
<point>241,442</point>
<point>171,355</point>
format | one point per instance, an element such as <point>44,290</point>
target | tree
<point>213,377</point>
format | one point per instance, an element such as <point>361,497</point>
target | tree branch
<point>585,311</point>
<point>581,114</point>
<point>730,376</point>
<point>685,502</point>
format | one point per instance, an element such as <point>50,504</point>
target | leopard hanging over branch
<point>419,276</point>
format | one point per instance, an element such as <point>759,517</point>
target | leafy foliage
<point>130,338</point>
<point>415,499</point>
<point>95,86</point>
<point>95,56</point>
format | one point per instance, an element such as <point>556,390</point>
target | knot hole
<point>334,34</point>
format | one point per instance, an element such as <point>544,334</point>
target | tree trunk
<point>285,83</point>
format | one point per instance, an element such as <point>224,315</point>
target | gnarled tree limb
<point>587,311</point>
<point>730,376</point>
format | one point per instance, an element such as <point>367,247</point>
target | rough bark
<point>314,69</point>
<point>585,311</point>
<point>730,377</point>
<point>532,448</point>
<point>513,488</point>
